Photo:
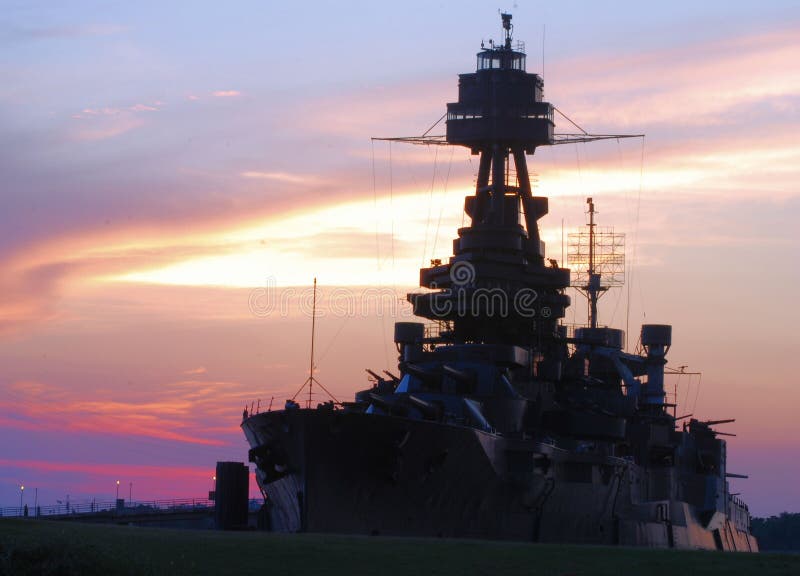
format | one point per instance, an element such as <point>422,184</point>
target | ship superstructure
<point>502,423</point>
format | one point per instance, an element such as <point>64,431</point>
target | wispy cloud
<point>117,111</point>
<point>108,122</point>
<point>226,93</point>
<point>180,413</point>
<point>127,470</point>
<point>195,371</point>
<point>143,108</point>
<point>711,162</point>
<point>19,33</point>
<point>37,276</point>
<point>697,85</point>
<point>281,177</point>
<point>108,129</point>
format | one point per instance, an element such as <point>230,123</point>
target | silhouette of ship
<point>503,423</point>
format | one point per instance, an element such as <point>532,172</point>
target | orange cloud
<point>195,371</point>
<point>36,277</point>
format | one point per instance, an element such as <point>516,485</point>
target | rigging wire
<point>375,204</point>
<point>378,250</point>
<point>686,396</point>
<point>434,125</point>
<point>573,309</point>
<point>616,307</point>
<point>394,287</point>
<point>568,119</point>
<point>335,337</point>
<point>634,259</point>
<point>622,166</point>
<point>444,198</point>
<point>391,205</point>
<point>430,205</point>
<point>697,392</point>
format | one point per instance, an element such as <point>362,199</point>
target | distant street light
<point>130,492</point>
<point>21,492</point>
<point>117,489</point>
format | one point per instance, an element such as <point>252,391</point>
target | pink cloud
<point>109,122</point>
<point>173,472</point>
<point>226,93</point>
<point>107,129</point>
<point>414,106</point>
<point>85,478</point>
<point>698,85</point>
<point>180,413</point>
<point>143,108</point>
<point>117,111</point>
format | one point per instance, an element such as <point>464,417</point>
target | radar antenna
<point>597,260</point>
<point>508,27</point>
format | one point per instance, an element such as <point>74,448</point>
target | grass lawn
<point>66,548</point>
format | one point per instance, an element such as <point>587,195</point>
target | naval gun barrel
<point>429,376</point>
<point>428,410</point>
<point>460,375</point>
<point>386,405</point>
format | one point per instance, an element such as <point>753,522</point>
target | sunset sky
<point>173,175</point>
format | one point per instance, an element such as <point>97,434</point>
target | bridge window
<point>495,59</point>
<point>488,60</point>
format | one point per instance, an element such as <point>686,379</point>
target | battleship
<point>503,422</point>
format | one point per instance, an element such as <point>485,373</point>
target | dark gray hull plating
<point>343,472</point>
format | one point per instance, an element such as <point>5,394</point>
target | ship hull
<point>350,472</point>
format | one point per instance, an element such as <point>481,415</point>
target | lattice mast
<point>598,260</point>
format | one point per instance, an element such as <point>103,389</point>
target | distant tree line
<point>777,532</point>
